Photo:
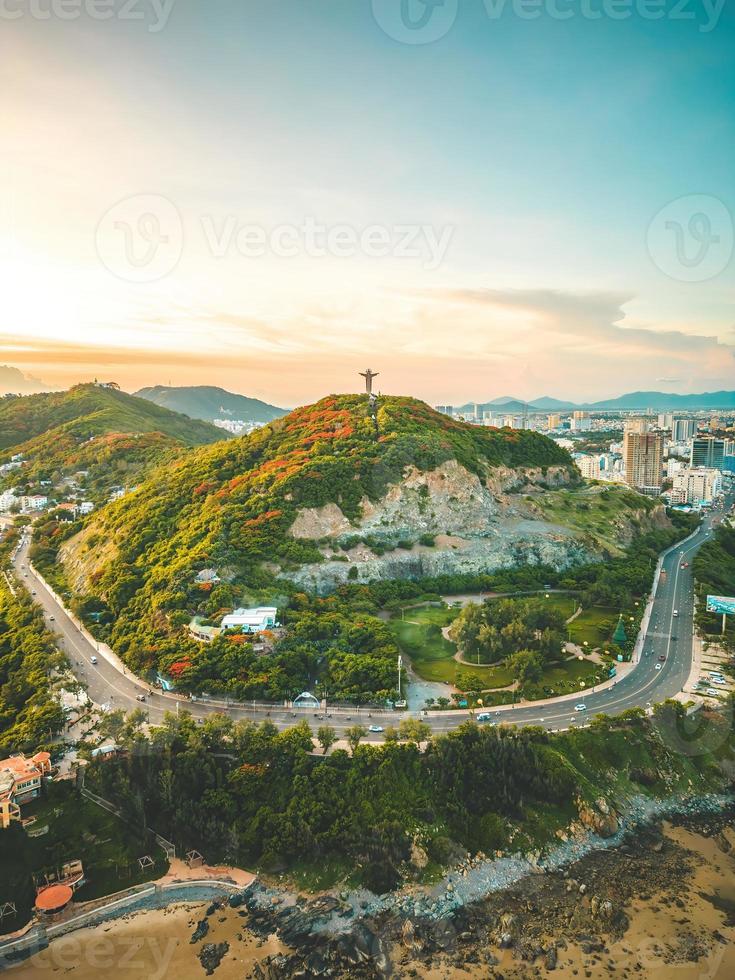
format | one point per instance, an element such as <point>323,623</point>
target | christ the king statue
<point>368,376</point>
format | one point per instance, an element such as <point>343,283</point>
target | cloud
<point>444,345</point>
<point>12,380</point>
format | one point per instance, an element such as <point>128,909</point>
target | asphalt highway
<point>667,646</point>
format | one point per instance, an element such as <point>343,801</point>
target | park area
<point>77,830</point>
<point>420,632</point>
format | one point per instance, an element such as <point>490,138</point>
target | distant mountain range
<point>208,403</point>
<point>660,401</point>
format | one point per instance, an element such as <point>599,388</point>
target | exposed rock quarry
<point>478,526</point>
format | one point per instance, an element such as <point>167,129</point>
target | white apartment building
<point>589,467</point>
<point>8,499</point>
<point>36,501</point>
<point>696,486</point>
<point>251,620</point>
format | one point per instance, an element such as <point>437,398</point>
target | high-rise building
<point>636,425</point>
<point>553,421</point>
<point>683,429</point>
<point>589,467</point>
<point>643,454</point>
<point>445,409</point>
<point>665,420</point>
<point>697,486</point>
<point>707,451</point>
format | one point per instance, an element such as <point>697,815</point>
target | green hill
<point>208,402</point>
<point>114,435</point>
<point>327,495</point>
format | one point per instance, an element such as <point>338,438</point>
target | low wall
<point>140,898</point>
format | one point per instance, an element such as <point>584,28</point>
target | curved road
<point>667,636</point>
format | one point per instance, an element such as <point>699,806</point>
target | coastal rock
<point>598,817</point>
<point>408,934</point>
<point>211,955</point>
<point>200,932</point>
<point>419,857</point>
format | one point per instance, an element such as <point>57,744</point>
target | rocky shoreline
<point>527,925</point>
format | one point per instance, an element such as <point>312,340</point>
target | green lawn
<point>595,625</point>
<point>79,829</point>
<point>432,656</point>
<point>419,635</point>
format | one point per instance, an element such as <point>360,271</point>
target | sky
<point>475,198</point>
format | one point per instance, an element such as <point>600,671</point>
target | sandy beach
<point>150,946</point>
<point>684,931</point>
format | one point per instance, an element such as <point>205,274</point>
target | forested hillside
<point>208,402</point>
<point>230,506</point>
<point>30,665</point>
<point>113,435</point>
<point>258,797</point>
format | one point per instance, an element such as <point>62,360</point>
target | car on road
<point>580,707</point>
<point>484,716</point>
<point>676,612</point>
<point>375,728</point>
<point>33,593</point>
<point>52,619</point>
<point>140,697</point>
<point>93,660</point>
<point>658,666</point>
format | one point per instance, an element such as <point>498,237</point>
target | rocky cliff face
<point>477,526</point>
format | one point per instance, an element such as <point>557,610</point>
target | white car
<point>375,728</point>
<point>712,692</point>
<point>720,681</point>
<point>93,660</point>
<point>658,666</point>
<point>580,707</point>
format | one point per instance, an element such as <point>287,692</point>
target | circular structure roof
<point>53,898</point>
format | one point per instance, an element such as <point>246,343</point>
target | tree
<point>526,666</point>
<point>414,730</point>
<point>354,735</point>
<point>326,737</point>
<point>112,724</point>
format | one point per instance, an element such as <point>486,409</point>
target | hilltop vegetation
<point>113,435</point>
<point>230,507</point>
